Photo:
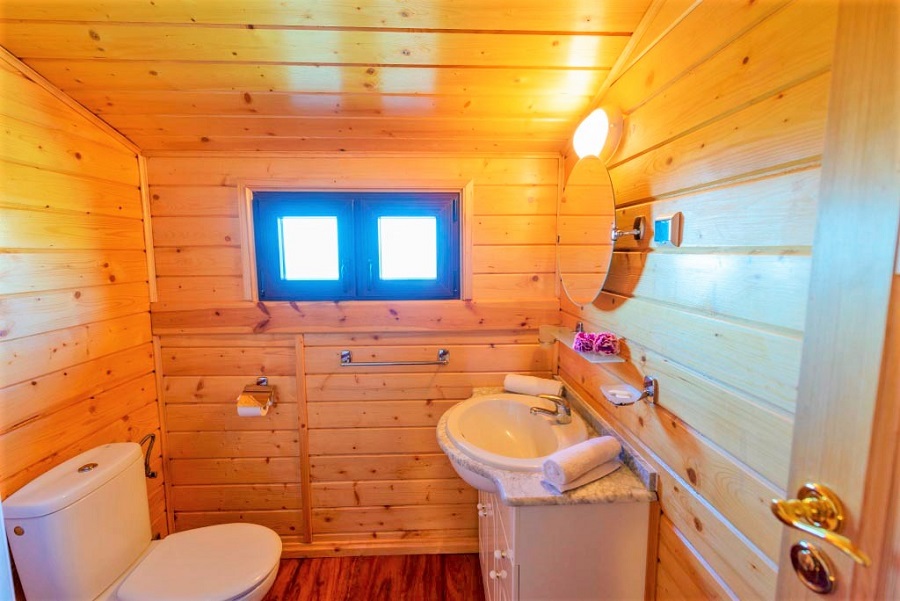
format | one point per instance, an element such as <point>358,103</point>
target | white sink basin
<point>498,430</point>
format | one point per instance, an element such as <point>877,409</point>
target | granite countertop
<point>634,482</point>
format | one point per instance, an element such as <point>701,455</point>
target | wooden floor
<point>379,578</point>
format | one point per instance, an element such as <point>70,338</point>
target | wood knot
<point>692,476</point>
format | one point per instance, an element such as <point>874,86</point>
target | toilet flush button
<point>86,468</point>
<point>19,530</point>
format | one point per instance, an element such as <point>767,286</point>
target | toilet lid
<point>216,563</point>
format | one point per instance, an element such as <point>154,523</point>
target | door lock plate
<point>813,568</point>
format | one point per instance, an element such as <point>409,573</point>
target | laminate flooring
<point>379,578</point>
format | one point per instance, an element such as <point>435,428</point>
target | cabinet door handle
<point>498,554</point>
<point>494,574</point>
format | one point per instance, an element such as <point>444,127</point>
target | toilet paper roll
<point>252,410</point>
<point>250,406</point>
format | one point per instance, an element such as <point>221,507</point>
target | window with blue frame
<point>362,246</point>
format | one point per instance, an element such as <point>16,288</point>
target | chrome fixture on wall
<point>443,358</point>
<point>624,394</point>
<point>651,390</point>
<point>638,229</point>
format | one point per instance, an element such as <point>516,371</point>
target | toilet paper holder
<point>260,394</point>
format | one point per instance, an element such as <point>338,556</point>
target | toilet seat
<point>215,563</point>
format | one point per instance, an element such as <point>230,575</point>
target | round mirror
<point>586,214</point>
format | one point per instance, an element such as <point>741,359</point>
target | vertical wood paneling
<point>75,354</point>
<point>729,130</point>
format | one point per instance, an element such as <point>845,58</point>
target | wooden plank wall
<point>347,462</point>
<point>76,357</point>
<point>725,120</point>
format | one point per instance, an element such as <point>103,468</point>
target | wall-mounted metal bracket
<point>638,230</point>
<point>443,358</point>
<point>651,390</point>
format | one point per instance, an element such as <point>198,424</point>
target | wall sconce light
<point>599,134</point>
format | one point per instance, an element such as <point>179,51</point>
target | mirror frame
<point>585,215</point>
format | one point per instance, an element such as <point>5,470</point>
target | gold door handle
<point>818,512</point>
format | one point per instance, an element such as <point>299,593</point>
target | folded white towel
<point>565,466</point>
<point>604,469</point>
<point>531,385</point>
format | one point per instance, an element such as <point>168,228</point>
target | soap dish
<point>620,394</point>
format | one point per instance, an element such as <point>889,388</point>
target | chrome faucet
<point>563,413</point>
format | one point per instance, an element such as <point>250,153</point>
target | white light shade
<point>597,135</point>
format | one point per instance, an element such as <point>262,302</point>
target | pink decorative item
<point>603,343</point>
<point>584,342</point>
<point>606,343</point>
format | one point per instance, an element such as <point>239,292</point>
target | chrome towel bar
<point>443,358</point>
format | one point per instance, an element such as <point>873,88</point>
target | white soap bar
<point>620,394</point>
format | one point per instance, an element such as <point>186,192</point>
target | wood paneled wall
<point>76,358</point>
<point>348,461</point>
<point>725,120</point>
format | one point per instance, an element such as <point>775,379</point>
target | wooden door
<point>849,407</point>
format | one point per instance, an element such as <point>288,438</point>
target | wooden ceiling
<point>327,75</point>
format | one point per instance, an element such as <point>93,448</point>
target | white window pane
<point>407,248</point>
<point>309,247</point>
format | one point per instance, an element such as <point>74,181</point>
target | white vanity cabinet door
<point>506,570</point>
<point>487,535</point>
<point>541,552</point>
<point>495,548</point>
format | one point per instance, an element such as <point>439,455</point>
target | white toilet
<point>82,531</point>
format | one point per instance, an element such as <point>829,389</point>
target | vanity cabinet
<point>544,552</point>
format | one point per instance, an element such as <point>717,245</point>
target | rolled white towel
<point>604,469</point>
<point>531,385</point>
<point>565,466</point>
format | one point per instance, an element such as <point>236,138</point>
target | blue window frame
<point>363,246</point>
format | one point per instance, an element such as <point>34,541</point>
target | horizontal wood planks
<point>680,572</point>
<point>223,467</point>
<point>377,469</point>
<point>502,77</point>
<point>347,461</point>
<point>377,479</point>
<point>366,472</point>
<point>202,257</point>
<point>728,129</point>
<point>76,359</point>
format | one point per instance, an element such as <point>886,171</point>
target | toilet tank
<point>76,528</point>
